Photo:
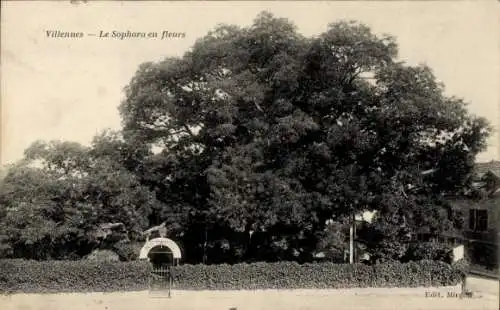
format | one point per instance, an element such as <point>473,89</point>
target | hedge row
<point>288,275</point>
<point>27,276</point>
<point>84,276</point>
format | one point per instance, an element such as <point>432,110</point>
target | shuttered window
<point>478,220</point>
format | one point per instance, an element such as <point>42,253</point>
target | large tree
<point>250,143</point>
<point>64,200</point>
<point>262,130</point>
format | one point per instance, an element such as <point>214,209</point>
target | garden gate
<point>160,282</point>
<point>163,254</point>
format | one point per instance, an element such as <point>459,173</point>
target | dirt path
<point>485,297</point>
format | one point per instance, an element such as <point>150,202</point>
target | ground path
<point>485,297</point>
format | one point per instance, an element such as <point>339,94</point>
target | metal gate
<point>160,282</point>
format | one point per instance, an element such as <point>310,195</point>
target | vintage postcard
<point>249,155</point>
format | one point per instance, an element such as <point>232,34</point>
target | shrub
<point>103,256</point>
<point>86,276</point>
<point>429,251</point>
<point>128,251</point>
<point>462,266</point>
<point>290,275</point>
<point>72,276</point>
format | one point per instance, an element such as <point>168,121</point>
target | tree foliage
<point>258,135</point>
<point>264,130</point>
<point>57,201</point>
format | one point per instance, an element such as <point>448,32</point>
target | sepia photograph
<point>241,155</point>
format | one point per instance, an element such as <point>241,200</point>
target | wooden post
<point>351,239</point>
<point>205,247</point>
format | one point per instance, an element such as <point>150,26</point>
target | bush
<point>128,251</point>
<point>462,266</point>
<point>429,251</point>
<point>103,256</point>
<point>27,276</point>
<point>289,275</point>
<point>86,276</point>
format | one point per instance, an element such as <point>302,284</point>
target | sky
<point>70,88</point>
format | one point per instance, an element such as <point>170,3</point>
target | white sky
<point>70,88</point>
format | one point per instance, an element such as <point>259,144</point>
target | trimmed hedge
<point>289,275</point>
<point>26,276</point>
<point>86,276</point>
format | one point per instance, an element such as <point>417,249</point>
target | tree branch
<point>186,127</point>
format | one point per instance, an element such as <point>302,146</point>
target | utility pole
<point>205,247</point>
<point>352,231</point>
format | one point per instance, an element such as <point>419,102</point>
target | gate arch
<point>165,242</point>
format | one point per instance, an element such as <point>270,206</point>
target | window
<point>478,220</point>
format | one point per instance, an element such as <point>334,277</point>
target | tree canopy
<point>56,201</point>
<point>248,144</point>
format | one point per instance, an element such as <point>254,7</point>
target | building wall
<point>492,206</point>
<point>481,247</point>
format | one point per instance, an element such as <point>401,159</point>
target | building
<point>479,233</point>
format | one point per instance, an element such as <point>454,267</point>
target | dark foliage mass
<point>291,275</point>
<point>24,276</point>
<point>247,145</point>
<point>84,276</point>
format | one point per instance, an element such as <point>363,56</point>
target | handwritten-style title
<point>117,35</point>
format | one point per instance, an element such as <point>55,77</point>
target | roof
<point>493,166</point>
<point>492,203</point>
